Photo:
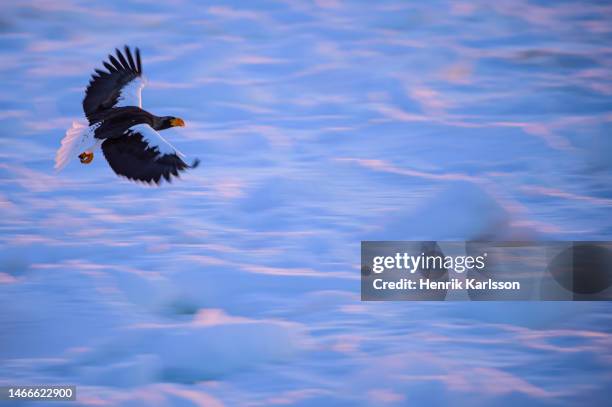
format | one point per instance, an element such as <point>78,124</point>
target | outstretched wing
<point>143,155</point>
<point>120,86</point>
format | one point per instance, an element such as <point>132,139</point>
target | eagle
<point>117,123</point>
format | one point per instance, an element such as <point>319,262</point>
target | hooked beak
<point>177,122</point>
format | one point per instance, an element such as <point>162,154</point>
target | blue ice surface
<point>319,124</point>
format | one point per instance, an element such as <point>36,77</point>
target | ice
<point>318,124</point>
<point>210,347</point>
<point>459,210</point>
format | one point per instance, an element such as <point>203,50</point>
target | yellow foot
<point>86,157</point>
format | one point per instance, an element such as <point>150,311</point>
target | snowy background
<point>319,124</point>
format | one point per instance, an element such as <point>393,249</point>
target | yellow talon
<point>86,157</point>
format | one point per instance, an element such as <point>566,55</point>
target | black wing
<point>143,155</point>
<point>106,89</point>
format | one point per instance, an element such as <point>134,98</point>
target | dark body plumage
<point>112,106</point>
<point>116,121</point>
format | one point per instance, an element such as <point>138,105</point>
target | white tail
<point>77,139</point>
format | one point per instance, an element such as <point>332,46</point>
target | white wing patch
<point>154,139</point>
<point>131,93</point>
<point>78,138</point>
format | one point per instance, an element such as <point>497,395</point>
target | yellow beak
<point>177,122</point>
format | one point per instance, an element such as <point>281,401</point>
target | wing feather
<point>122,59</point>
<point>128,53</point>
<point>109,67</point>
<point>138,63</point>
<point>144,155</point>
<point>115,63</point>
<point>120,85</point>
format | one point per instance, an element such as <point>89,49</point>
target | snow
<point>460,210</point>
<point>319,124</point>
<point>187,352</point>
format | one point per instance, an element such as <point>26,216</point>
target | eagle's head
<point>170,121</point>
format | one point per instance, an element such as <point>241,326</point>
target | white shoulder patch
<point>131,93</point>
<point>154,139</point>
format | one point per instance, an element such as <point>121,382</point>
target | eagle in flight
<point>127,134</point>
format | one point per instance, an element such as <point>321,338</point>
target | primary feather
<point>120,83</point>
